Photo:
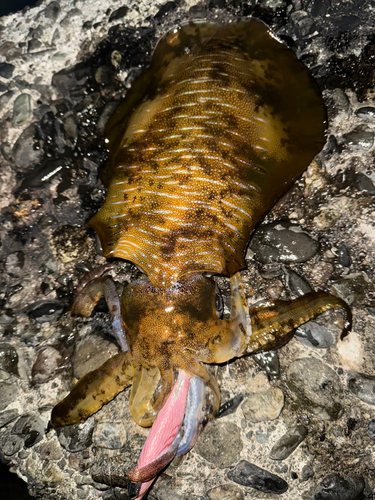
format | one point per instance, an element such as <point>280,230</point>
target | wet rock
<point>282,242</point>
<point>6,70</point>
<point>46,311</point>
<point>15,263</point>
<point>366,112</point>
<point>266,405</point>
<point>44,172</point>
<point>248,474</point>
<point>91,352</point>
<point>7,416</point>
<point>362,386</point>
<point>28,149</point>
<point>313,334</point>
<point>52,10</point>
<point>295,283</point>
<point>220,444</point>
<point>337,102</point>
<point>333,147</point>
<point>69,81</point>
<point>225,492</point>
<point>119,13</point>
<point>352,288</point>
<point>343,254</point>
<point>8,359</point>
<point>8,393</point>
<point>110,435</point>
<point>48,364</point>
<point>364,183</point>
<point>361,138</point>
<point>288,443</point>
<point>229,406</point>
<point>371,429</point>
<point>31,428</point>
<point>21,109</point>
<point>317,387</point>
<point>269,362</point>
<point>70,131</point>
<point>76,437</point>
<point>302,24</point>
<point>52,129</point>
<point>334,487</point>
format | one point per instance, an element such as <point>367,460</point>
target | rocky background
<point>296,424</point>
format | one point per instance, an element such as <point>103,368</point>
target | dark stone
<point>332,146</point>
<point>69,80</point>
<point>343,254</point>
<point>8,393</point>
<point>371,429</point>
<point>76,437</point>
<point>283,242</point>
<point>34,45</point>
<point>248,474</point>
<point>306,472</point>
<point>6,70</point>
<point>317,386</point>
<point>229,406</point>
<point>31,428</point>
<point>360,138</point>
<point>8,359</point>
<point>52,129</point>
<point>352,288</point>
<point>28,149</point>
<point>45,311</point>
<point>119,13</point>
<point>7,416</point>
<point>269,362</point>
<point>52,10</point>
<point>313,334</point>
<point>364,183</point>
<point>288,443</point>
<point>303,25</point>
<point>362,386</point>
<point>44,173</point>
<point>48,364</point>
<point>335,487</point>
<point>164,9</point>
<point>21,109</point>
<point>366,112</point>
<point>15,263</point>
<point>296,284</point>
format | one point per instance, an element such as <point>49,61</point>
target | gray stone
<point>110,435</point>
<point>21,109</point>
<point>352,288</point>
<point>288,443</point>
<point>8,359</point>
<point>7,416</point>
<point>225,492</point>
<point>312,334</point>
<point>76,437</point>
<point>91,352</point>
<point>282,242</point>
<point>31,427</point>
<point>361,138</point>
<point>362,386</point>
<point>6,70</point>
<point>8,393</point>
<point>335,487</point>
<point>220,444</point>
<point>28,149</point>
<point>248,474</point>
<point>317,387</point>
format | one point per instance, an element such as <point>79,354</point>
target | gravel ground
<point>306,414</point>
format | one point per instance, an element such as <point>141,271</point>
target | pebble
<point>282,242</point>
<point>336,487</point>
<point>8,359</point>
<point>302,24</point>
<point>247,474</point>
<point>91,352</point>
<point>31,428</point>
<point>362,386</point>
<point>8,394</point>
<point>317,387</point>
<point>71,79</point>
<point>370,429</point>
<point>344,255</point>
<point>48,364</point>
<point>288,443</point>
<point>337,102</point>
<point>269,362</point>
<point>7,416</point>
<point>46,311</point>
<point>15,263</point>
<point>220,443</point>
<point>118,13</point>
<point>265,405</point>
<point>28,149</point>
<point>333,147</point>
<point>352,288</point>
<point>70,131</point>
<point>361,138</point>
<point>307,472</point>
<point>312,334</point>
<point>21,109</point>
<point>52,10</point>
<point>295,283</point>
<point>51,450</point>
<point>225,492</point>
<point>366,112</point>
<point>364,183</point>
<point>76,437</point>
<point>6,70</point>
<point>110,435</point>
<point>229,406</point>
<point>10,444</point>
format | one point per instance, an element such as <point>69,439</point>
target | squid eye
<point>219,305</point>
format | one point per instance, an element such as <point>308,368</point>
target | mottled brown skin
<point>207,140</point>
